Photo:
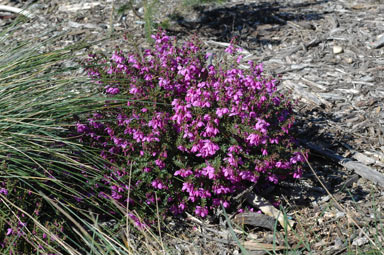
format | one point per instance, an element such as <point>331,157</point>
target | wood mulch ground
<point>330,55</point>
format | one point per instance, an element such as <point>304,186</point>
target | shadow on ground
<point>251,22</point>
<point>309,128</point>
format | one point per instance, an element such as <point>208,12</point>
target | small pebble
<point>337,49</point>
<point>349,60</point>
<point>360,241</point>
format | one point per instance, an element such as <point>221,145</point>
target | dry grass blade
<point>252,245</point>
<point>152,242</point>
<point>16,10</point>
<point>66,214</point>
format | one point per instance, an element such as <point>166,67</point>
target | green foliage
<point>39,98</point>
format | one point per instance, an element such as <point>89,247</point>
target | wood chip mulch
<point>330,56</point>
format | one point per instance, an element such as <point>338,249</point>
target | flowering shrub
<point>193,134</point>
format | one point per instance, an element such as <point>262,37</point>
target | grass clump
<point>39,98</point>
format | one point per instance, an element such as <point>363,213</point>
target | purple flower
<point>188,187</point>
<point>217,202</point>
<point>209,171</point>
<point>273,178</point>
<point>253,139</point>
<point>147,169</point>
<point>235,149</point>
<point>4,191</point>
<point>232,160</point>
<point>183,172</point>
<point>9,231</point>
<point>249,176</point>
<point>137,221</point>
<point>202,193</point>
<point>230,49</point>
<point>262,126</point>
<point>207,148</point>
<point>208,54</point>
<point>221,111</point>
<point>112,91</point>
<point>181,148</point>
<point>220,189</point>
<point>210,131</point>
<point>201,211</point>
<point>239,58</point>
<point>274,140</point>
<point>158,184</point>
<point>165,83</point>
<point>264,152</point>
<point>298,173</point>
<point>182,206</point>
<point>160,163</point>
<point>81,128</point>
<point>117,58</point>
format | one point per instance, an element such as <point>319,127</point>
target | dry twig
<point>16,10</point>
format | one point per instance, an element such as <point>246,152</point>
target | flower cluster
<point>184,134</point>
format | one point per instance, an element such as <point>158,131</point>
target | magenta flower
<point>4,191</point>
<point>160,163</point>
<point>117,58</point>
<point>207,148</point>
<point>217,202</point>
<point>188,187</point>
<point>220,189</point>
<point>158,184</point>
<point>273,178</point>
<point>182,148</point>
<point>203,193</point>
<point>253,139</point>
<point>298,173</point>
<point>201,211</point>
<point>264,152</point>
<point>221,111</point>
<point>209,171</point>
<point>182,206</point>
<point>230,49</point>
<point>81,128</point>
<point>262,126</point>
<point>9,231</point>
<point>137,221</point>
<point>210,131</point>
<point>183,172</point>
